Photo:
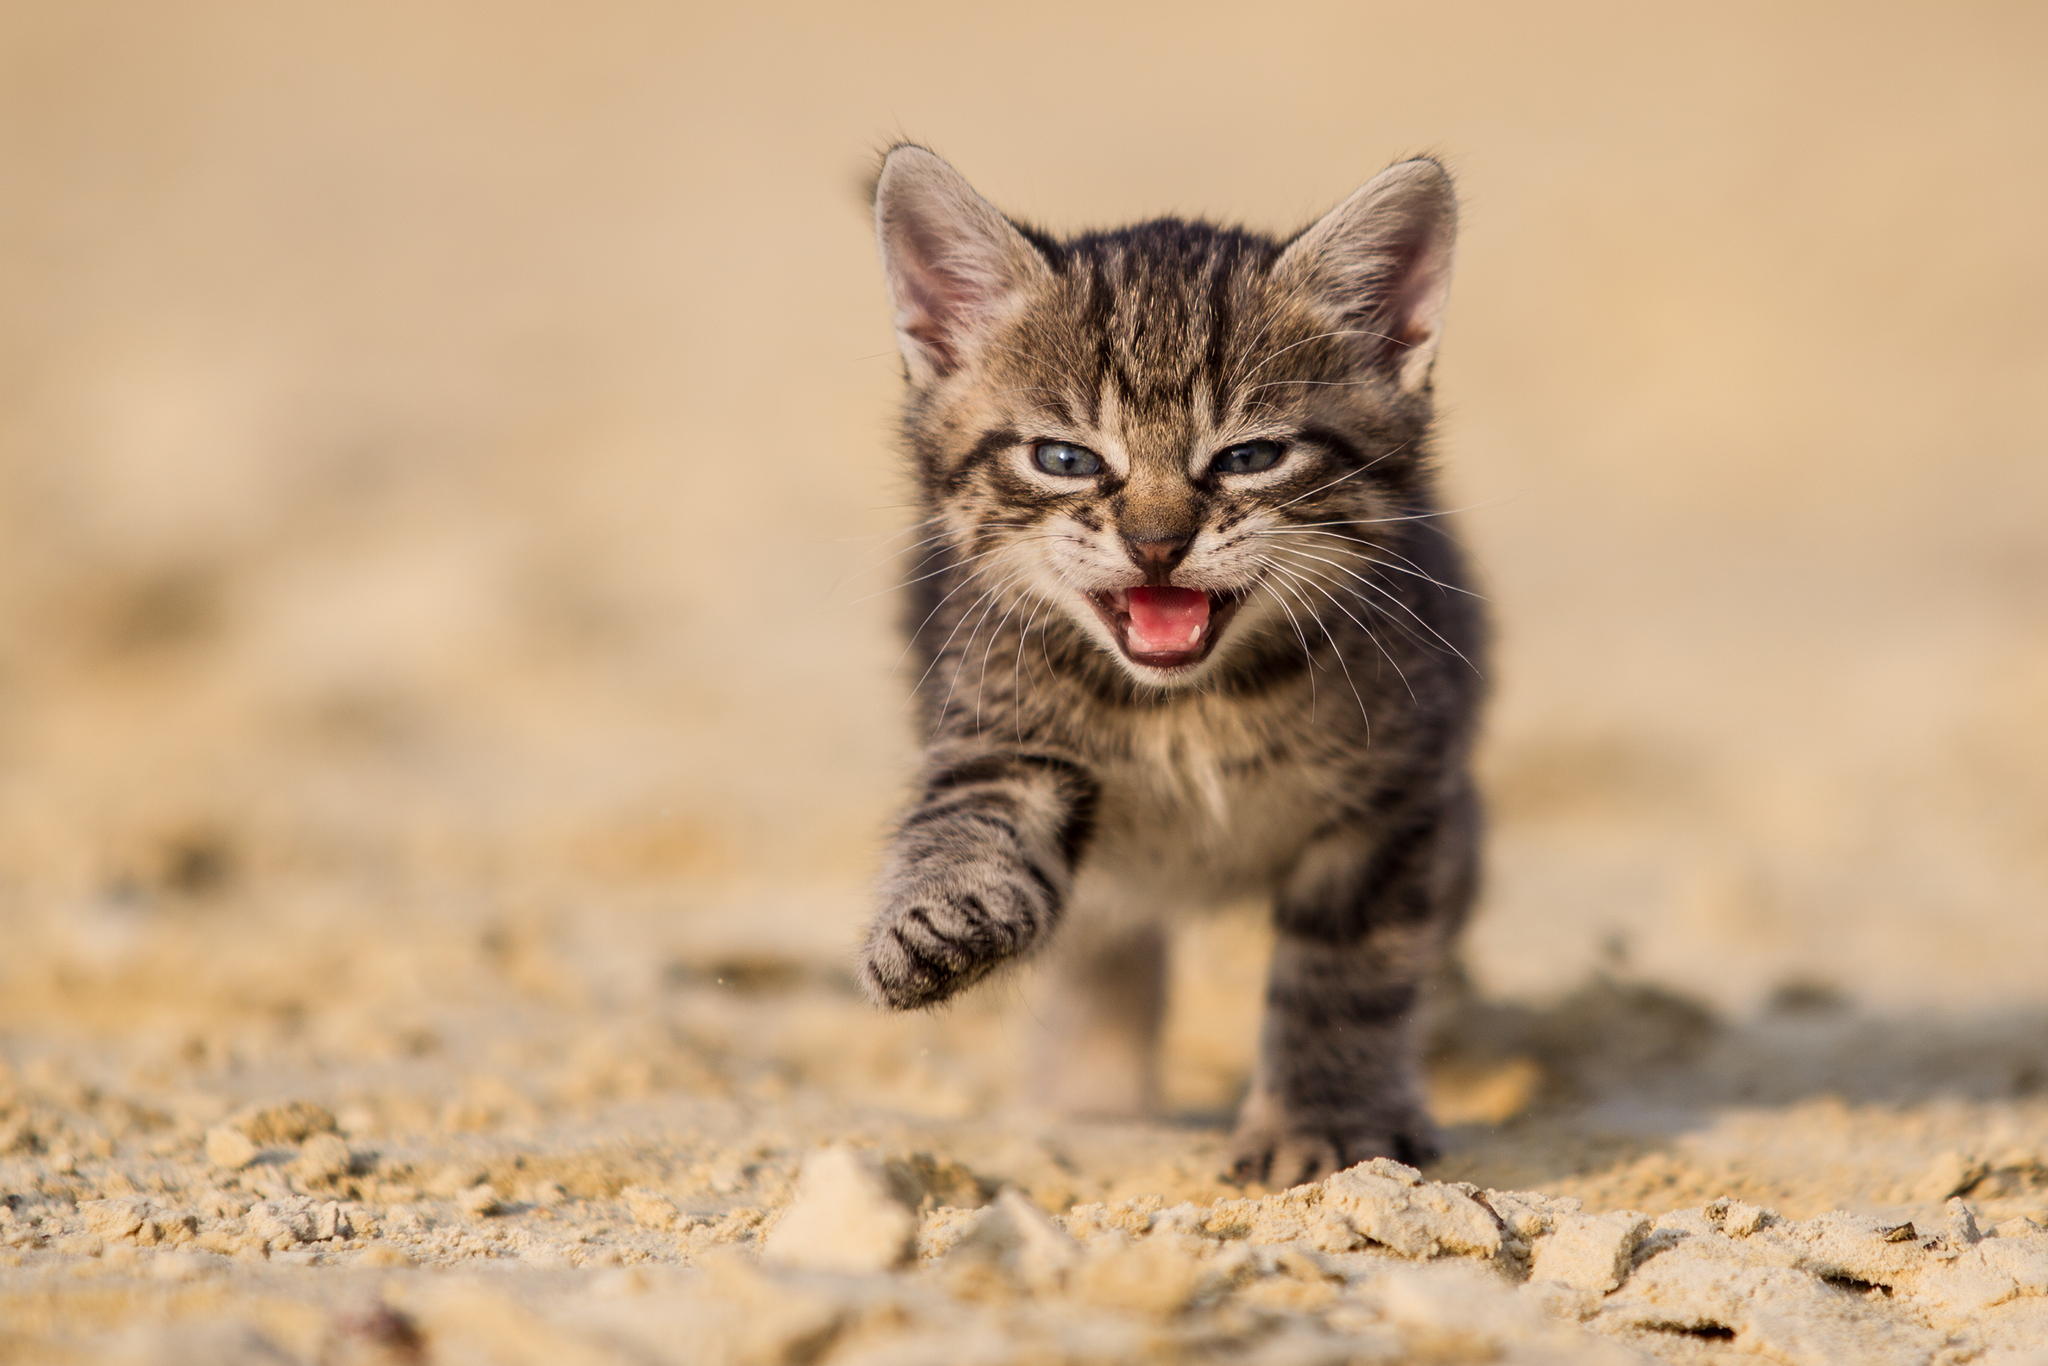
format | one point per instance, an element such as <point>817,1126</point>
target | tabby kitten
<point>1191,630</point>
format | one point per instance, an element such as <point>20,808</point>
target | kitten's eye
<point>1247,457</point>
<point>1065,458</point>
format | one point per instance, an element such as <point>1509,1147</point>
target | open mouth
<point>1164,628</point>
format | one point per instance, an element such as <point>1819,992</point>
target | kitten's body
<point>1165,668</point>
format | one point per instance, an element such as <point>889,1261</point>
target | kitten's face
<point>1174,436</point>
<point>1177,487</point>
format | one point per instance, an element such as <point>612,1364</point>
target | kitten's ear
<point>1382,261</point>
<point>953,263</point>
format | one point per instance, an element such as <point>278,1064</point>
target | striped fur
<point>1075,797</point>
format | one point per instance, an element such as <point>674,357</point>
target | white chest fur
<point>1197,811</point>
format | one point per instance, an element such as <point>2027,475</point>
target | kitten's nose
<point>1157,555</point>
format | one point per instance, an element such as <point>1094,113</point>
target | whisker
<point>1017,666</point>
<point>1409,517</point>
<point>886,531</point>
<point>1045,653</point>
<point>911,644</point>
<point>1363,713</point>
<point>1314,579</point>
<point>1347,546</point>
<point>939,654</point>
<point>954,564</point>
<point>989,598</point>
<point>1349,474</point>
<point>978,555</point>
<point>1340,332</point>
<point>1395,599</point>
<point>981,675</point>
<point>877,561</point>
<point>1318,383</point>
<point>1308,655</point>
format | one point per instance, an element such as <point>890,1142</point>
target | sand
<point>252,1134</point>
<point>448,701</point>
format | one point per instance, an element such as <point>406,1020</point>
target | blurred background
<point>447,492</point>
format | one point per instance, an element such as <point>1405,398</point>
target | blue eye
<point>1247,457</point>
<point>1065,458</point>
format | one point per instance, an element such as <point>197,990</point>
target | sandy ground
<point>255,1121</point>
<point>446,719</point>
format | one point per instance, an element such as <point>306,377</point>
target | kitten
<point>1191,630</point>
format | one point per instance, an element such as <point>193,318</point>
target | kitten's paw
<point>1281,1156</point>
<point>923,949</point>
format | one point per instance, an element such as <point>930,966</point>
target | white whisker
<point>877,561</point>
<point>1340,332</point>
<point>988,597</point>
<point>1315,579</point>
<point>918,629</point>
<point>1347,546</point>
<point>1395,599</point>
<point>1349,474</point>
<point>1363,713</point>
<point>1408,517</point>
<point>1308,655</point>
<point>981,674</point>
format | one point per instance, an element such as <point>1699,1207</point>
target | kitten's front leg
<point>978,870</point>
<point>1362,924</point>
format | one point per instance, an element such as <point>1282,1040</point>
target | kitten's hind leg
<point>1097,1009</point>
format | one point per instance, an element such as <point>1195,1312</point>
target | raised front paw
<point>929,942</point>
<point>1282,1155</point>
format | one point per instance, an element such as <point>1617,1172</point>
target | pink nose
<point>1157,555</point>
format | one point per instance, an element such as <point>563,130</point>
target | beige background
<point>436,427</point>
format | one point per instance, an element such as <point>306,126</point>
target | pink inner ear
<point>1417,300</point>
<point>923,317</point>
<point>938,302</point>
<point>1399,295</point>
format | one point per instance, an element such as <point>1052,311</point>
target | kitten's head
<point>1175,434</point>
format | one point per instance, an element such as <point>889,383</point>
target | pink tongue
<point>1167,620</point>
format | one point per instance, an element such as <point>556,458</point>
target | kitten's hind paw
<point>1296,1156</point>
<point>922,951</point>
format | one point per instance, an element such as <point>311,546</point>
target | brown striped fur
<point>1075,799</point>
